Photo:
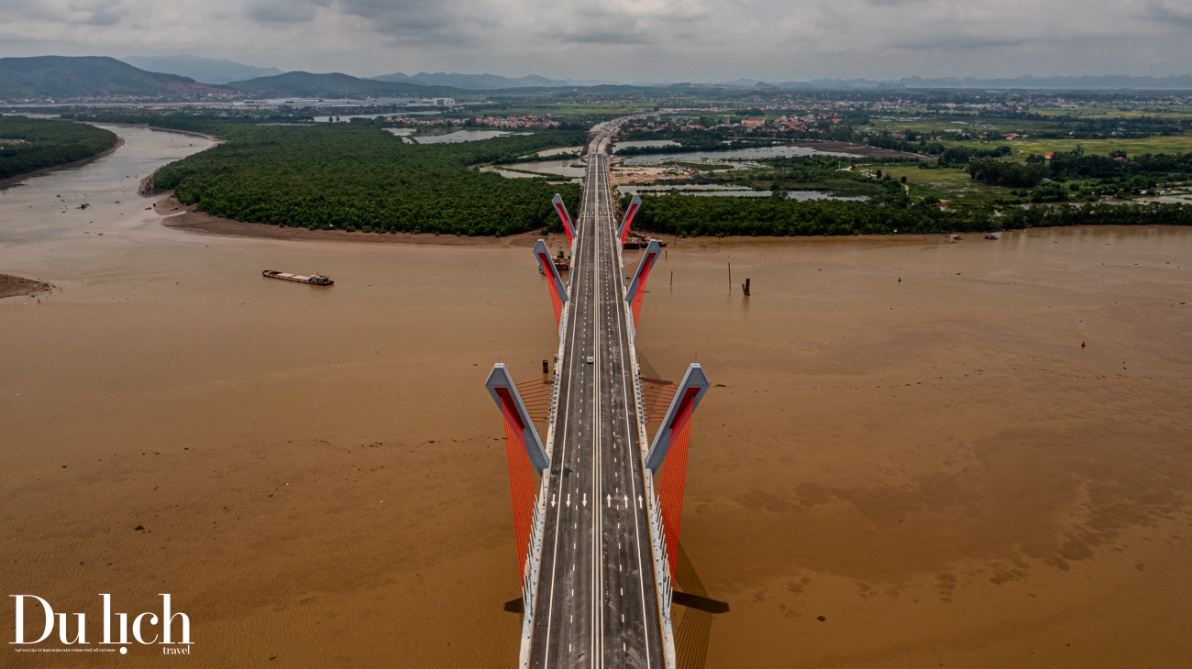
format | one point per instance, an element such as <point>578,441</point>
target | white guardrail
<point>662,576</point>
<point>533,568</point>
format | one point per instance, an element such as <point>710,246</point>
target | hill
<point>478,82</point>
<point>89,77</point>
<point>333,85</point>
<point>203,70</point>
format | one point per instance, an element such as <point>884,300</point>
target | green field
<point>943,183</point>
<point>1132,147</point>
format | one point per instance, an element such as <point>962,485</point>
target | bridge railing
<point>532,572</point>
<point>662,576</point>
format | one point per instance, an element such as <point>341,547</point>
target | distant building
<point>442,102</point>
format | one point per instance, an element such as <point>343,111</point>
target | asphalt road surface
<point>597,603</point>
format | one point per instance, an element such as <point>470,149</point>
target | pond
<point>463,136</point>
<point>569,167</point>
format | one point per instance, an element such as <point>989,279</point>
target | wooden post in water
<point>745,286</point>
<point>545,367</point>
<point>730,277</point>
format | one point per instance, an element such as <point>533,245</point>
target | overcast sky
<point>627,40</point>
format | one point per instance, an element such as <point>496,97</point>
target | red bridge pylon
<point>670,445</point>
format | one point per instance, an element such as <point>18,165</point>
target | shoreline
<point>16,286</point>
<point>185,217</point>
<point>15,181</point>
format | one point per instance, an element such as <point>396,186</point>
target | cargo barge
<point>314,279</point>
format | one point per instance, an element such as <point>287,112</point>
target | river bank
<point>180,216</point>
<point>12,181</point>
<point>185,217</point>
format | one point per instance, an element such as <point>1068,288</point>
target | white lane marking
<point>622,357</point>
<point>570,380</point>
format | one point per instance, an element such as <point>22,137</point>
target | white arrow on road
<point>552,500</point>
<point>568,500</point>
<point>585,500</point>
<point>609,501</point>
<point>639,501</point>
<point>626,501</point>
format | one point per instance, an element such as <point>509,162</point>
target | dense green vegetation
<point>28,145</point>
<point>721,216</point>
<point>1003,172</point>
<point>356,177</point>
<point>190,119</point>
<point>1091,176</point>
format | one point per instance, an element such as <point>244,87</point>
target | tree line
<point>28,145</point>
<point>686,216</point>
<point>1116,170</point>
<point>356,177</point>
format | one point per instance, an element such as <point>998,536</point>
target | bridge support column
<point>568,226</point>
<point>558,291</point>
<point>637,288</point>
<point>670,445</point>
<point>524,452</point>
<point>623,231</point>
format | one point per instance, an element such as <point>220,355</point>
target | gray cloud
<point>279,11</point>
<point>1166,11</point>
<point>602,37</point>
<point>631,40</point>
<point>961,42</point>
<point>421,21</point>
<point>77,12</point>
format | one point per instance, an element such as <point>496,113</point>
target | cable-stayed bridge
<point>597,539</point>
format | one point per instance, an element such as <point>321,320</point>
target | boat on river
<point>315,279</point>
<point>561,264</point>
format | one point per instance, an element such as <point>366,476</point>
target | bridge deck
<point>597,602</point>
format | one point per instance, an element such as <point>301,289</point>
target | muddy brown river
<point>909,458</point>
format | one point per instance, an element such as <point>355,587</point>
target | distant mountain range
<point>90,78</point>
<point>203,70</point>
<point>475,82</point>
<point>335,85</point>
<point>61,77</point>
